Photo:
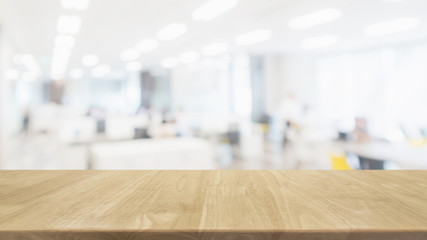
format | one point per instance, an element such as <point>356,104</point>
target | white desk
<point>154,154</point>
<point>403,154</point>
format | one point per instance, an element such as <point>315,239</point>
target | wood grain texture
<point>192,205</point>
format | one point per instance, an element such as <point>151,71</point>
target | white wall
<point>288,74</point>
<point>202,87</point>
<point>385,85</point>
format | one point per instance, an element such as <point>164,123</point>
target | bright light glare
<point>213,9</point>
<point>129,55</point>
<point>101,71</point>
<point>320,42</point>
<point>147,45</point>
<point>133,66</point>
<point>189,57</point>
<point>90,60</point>
<point>315,18</point>
<point>393,26</point>
<point>69,24</point>
<point>75,4</point>
<point>215,49</point>
<point>61,53</point>
<point>64,41</point>
<point>12,74</point>
<point>76,73</point>
<point>172,31</point>
<point>169,63</point>
<point>254,37</point>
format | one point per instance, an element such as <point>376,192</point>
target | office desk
<point>406,156</point>
<point>223,205</point>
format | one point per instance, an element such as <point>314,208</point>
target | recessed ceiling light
<point>213,8</point>
<point>69,24</point>
<point>12,74</point>
<point>61,52</point>
<point>172,31</point>
<point>90,60</point>
<point>64,41</point>
<point>189,57</point>
<point>320,42</point>
<point>133,66</point>
<point>315,18</point>
<point>254,37</point>
<point>147,45</point>
<point>169,63</point>
<point>76,73</point>
<point>75,4</point>
<point>215,49</point>
<point>393,26</point>
<point>101,71</point>
<point>129,55</point>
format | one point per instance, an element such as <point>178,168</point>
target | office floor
<point>46,152</point>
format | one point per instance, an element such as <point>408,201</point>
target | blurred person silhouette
<point>99,114</point>
<point>26,116</point>
<point>166,115</point>
<point>360,132</point>
<point>290,113</point>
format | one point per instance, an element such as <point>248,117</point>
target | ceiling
<point>111,26</point>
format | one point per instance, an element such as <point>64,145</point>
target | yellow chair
<point>339,161</point>
<point>418,142</point>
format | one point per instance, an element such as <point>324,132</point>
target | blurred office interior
<point>213,84</point>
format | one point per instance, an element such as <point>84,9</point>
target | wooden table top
<point>256,205</point>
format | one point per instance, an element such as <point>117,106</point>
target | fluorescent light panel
<point>76,73</point>
<point>75,4</point>
<point>59,61</point>
<point>147,45</point>
<point>254,37</point>
<point>64,41</point>
<point>320,42</point>
<point>213,9</point>
<point>189,57</point>
<point>134,66</point>
<point>215,49</point>
<point>129,55</point>
<point>172,31</point>
<point>101,71</point>
<point>315,18</point>
<point>69,24</point>
<point>90,60</point>
<point>169,63</point>
<point>393,26</point>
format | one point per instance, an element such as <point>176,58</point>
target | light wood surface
<point>226,205</point>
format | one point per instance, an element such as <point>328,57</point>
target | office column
<point>273,80</point>
<point>257,87</point>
